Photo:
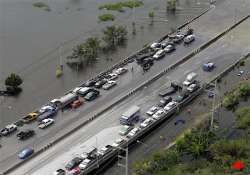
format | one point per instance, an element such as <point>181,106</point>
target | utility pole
<point>125,165</point>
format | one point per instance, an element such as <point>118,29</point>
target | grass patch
<point>42,5</point>
<point>119,6</point>
<point>106,17</point>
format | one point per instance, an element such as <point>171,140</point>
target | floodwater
<point>30,39</point>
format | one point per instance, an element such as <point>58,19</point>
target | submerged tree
<point>12,83</point>
<point>114,35</point>
<point>171,5</point>
<point>151,15</point>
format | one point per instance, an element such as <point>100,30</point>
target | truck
<point>170,90</point>
<point>65,100</point>
<point>47,114</point>
<point>130,116</point>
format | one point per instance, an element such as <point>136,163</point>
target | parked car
<point>47,114</point>
<point>159,54</point>
<point>119,142</point>
<point>120,70</point>
<point>76,103</point>
<point>100,83</point>
<point>112,76</point>
<point>188,31</point>
<point>182,96</point>
<point>166,43</point>
<point>164,101</point>
<point>146,122</point>
<point>152,110</point>
<point>190,79</point>
<point>30,117</point>
<point>169,48</point>
<point>193,87</point>
<point>188,39</point>
<point>83,91</point>
<point>25,153</point>
<point>22,135</point>
<point>8,129</point>
<point>178,38</point>
<point>209,66</point>
<point>109,85</point>
<point>85,163</point>
<point>75,171</point>
<point>45,123</point>
<point>92,95</point>
<point>89,83</point>
<point>59,172</point>
<point>73,163</point>
<point>159,114</point>
<point>46,108</point>
<point>133,132</point>
<point>155,46</point>
<point>104,150</point>
<point>170,105</point>
<point>125,130</point>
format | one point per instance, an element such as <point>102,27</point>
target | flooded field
<point>30,38</point>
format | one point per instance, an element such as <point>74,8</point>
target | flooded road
<point>30,38</point>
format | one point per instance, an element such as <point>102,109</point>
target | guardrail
<point>171,67</point>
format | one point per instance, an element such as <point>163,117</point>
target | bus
<point>130,116</point>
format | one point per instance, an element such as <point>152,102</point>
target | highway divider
<point>156,77</point>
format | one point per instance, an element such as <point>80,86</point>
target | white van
<point>190,78</point>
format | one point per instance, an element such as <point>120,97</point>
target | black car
<point>99,83</point>
<point>89,83</point>
<point>92,95</point>
<point>73,163</point>
<point>25,134</point>
<point>59,172</point>
<point>188,31</point>
<point>163,102</point>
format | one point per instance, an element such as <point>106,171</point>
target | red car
<point>76,104</point>
<point>75,171</point>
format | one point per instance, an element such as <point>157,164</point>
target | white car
<point>84,164</point>
<point>118,142</point>
<point>192,87</point>
<point>125,130</point>
<point>159,54</point>
<point>109,85</point>
<point>46,108</point>
<point>146,122</point>
<point>155,46</point>
<point>152,110</point>
<point>159,114</point>
<point>112,76</point>
<point>169,48</point>
<point>45,123</point>
<point>120,70</point>
<point>188,39</point>
<point>170,105</point>
<point>133,132</point>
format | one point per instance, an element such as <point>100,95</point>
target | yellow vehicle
<point>30,117</point>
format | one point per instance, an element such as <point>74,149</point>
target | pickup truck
<point>170,90</point>
<point>30,117</point>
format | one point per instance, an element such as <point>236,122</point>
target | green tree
<point>13,80</point>
<point>244,89</point>
<point>114,35</point>
<point>171,5</point>
<point>230,100</point>
<point>151,15</point>
<point>243,117</point>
